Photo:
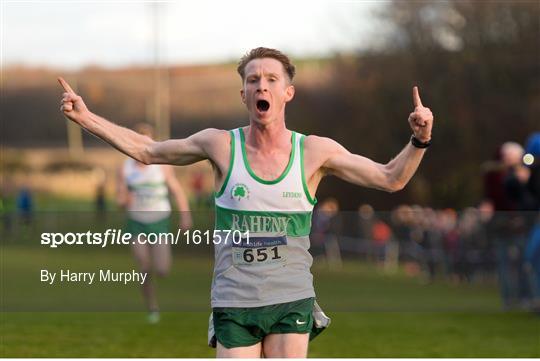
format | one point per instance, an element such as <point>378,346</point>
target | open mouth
<point>262,105</point>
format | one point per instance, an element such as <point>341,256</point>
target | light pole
<point>161,83</point>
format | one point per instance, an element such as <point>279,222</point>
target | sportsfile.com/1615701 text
<point>119,237</point>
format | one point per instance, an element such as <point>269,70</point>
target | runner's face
<point>266,90</point>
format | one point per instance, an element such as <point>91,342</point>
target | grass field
<point>373,314</point>
<point>351,335</point>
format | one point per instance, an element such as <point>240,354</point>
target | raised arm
<point>325,156</point>
<point>178,151</point>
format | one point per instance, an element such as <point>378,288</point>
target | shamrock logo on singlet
<point>239,191</point>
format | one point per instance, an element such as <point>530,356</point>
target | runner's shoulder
<point>215,143</point>
<point>317,144</point>
<point>213,137</point>
<point>213,134</point>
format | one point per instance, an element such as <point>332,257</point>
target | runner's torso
<point>274,265</point>
<point>150,202</point>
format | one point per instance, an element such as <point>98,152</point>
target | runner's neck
<point>266,139</point>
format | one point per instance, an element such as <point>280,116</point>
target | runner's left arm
<point>392,176</point>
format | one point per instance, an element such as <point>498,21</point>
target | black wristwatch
<point>418,144</point>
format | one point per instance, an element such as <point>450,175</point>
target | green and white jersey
<point>150,202</point>
<point>273,264</point>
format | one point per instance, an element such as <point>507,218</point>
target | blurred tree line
<point>477,64</point>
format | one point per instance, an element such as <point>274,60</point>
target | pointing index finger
<point>416,97</point>
<point>65,85</point>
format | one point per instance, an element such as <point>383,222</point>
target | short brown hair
<point>261,52</point>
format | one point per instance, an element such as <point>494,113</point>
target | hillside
<point>200,96</point>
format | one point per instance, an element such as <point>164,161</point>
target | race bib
<point>260,250</point>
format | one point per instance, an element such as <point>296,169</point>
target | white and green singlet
<point>150,202</point>
<point>272,265</point>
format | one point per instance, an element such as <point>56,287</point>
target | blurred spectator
<point>532,250</point>
<point>486,212</point>
<point>197,187</point>
<point>366,217</point>
<point>100,196</point>
<point>380,235</point>
<point>401,222</point>
<point>532,266</point>
<point>405,220</point>
<point>432,244</point>
<point>5,218</point>
<point>25,204</point>
<point>516,178</point>
<point>494,172</point>
<point>8,192</point>
<point>470,236</point>
<point>511,228</point>
<point>377,238</point>
<point>532,160</point>
<point>450,236</point>
<point>100,199</point>
<point>325,230</point>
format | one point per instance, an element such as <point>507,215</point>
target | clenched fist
<point>421,119</point>
<point>71,104</point>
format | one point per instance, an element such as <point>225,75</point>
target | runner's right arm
<point>197,147</point>
<point>179,196</point>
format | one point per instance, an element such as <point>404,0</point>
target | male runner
<point>266,177</point>
<point>143,190</point>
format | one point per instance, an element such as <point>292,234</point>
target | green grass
<point>183,334</point>
<point>373,314</point>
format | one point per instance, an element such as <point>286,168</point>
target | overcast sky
<point>115,34</point>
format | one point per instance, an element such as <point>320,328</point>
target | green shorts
<point>135,227</point>
<point>239,327</point>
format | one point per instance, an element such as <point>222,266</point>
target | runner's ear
<point>243,95</point>
<point>289,93</point>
